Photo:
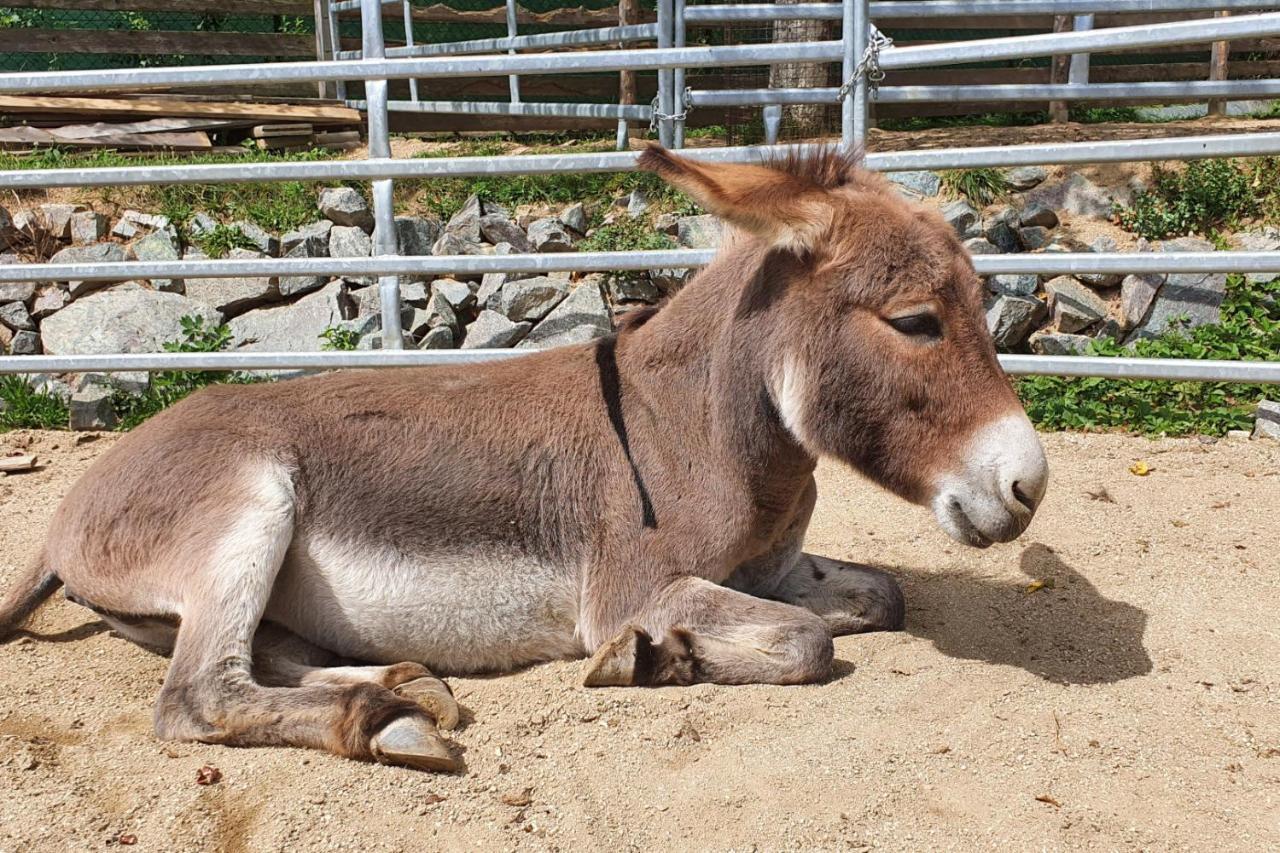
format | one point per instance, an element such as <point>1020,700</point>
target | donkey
<point>313,552</point>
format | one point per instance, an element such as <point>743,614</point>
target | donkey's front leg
<point>850,597</point>
<point>694,630</point>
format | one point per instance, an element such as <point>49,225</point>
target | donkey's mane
<point>827,167</point>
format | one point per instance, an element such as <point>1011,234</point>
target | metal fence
<point>381,169</point>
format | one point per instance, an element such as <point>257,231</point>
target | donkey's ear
<point>788,210</point>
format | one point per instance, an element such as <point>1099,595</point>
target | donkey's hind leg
<point>283,659</point>
<point>210,693</point>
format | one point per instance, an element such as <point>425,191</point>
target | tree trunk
<point>807,119</point>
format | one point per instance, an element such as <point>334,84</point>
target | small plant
<point>979,186</point>
<point>338,338</point>
<point>221,239</point>
<point>169,386</point>
<point>1206,195</point>
<point>24,407</point>
<point>626,235</point>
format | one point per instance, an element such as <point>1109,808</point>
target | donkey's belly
<point>452,612</point>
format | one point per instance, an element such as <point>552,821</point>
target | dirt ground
<point>1133,702</point>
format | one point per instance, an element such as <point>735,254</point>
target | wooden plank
<point>155,125</point>
<point>177,107</point>
<point>192,7</point>
<point>441,14</point>
<point>155,42</point>
<point>1059,67</point>
<point>628,13</point>
<point>25,137</point>
<point>1218,70</point>
<point>267,131</point>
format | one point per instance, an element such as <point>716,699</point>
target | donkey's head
<point>877,349</point>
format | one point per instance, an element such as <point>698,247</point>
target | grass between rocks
<point>1205,196</point>
<point>979,186</point>
<point>24,407</point>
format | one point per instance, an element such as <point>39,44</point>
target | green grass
<point>1206,196</point>
<point>218,242</point>
<point>626,235</point>
<point>23,407</point>
<point>979,186</point>
<point>337,338</point>
<point>1249,330</point>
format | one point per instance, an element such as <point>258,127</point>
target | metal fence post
<point>677,77</point>
<point>513,82</point>
<point>408,42</point>
<point>856,23</point>
<point>385,241</point>
<point>666,101</point>
<point>1078,73</point>
<point>335,41</point>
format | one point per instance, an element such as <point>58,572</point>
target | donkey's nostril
<point>1024,498</point>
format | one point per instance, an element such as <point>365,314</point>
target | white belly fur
<point>453,613</point>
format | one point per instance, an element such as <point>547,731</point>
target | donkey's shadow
<point>1065,631</point>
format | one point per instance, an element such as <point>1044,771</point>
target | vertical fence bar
<point>855,24</point>
<point>324,46</point>
<point>628,13</point>
<point>384,225</point>
<point>666,103</point>
<point>1218,69</point>
<point>1058,64</point>
<point>335,39</point>
<point>408,41</point>
<point>677,77</point>
<point>1078,73</point>
<point>513,82</point>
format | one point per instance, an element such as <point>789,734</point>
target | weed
<point>24,407</point>
<point>979,186</point>
<point>626,235</point>
<point>219,241</point>
<point>338,338</point>
<point>1205,196</point>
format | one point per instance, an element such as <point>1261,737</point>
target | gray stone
<point>233,296</point>
<point>51,298</point>
<point>980,246</point>
<point>159,245</point>
<point>1013,284</point>
<point>489,294</point>
<point>1035,237</point>
<point>295,285</point>
<point>962,217</point>
<point>1025,177</point>
<point>258,236</point>
<point>1266,423</point>
<point>1186,244</point>
<point>1137,292</point>
<point>92,254</point>
<point>637,204</point>
<point>416,234</point>
<point>532,298</point>
<point>121,321</point>
<point>7,231</point>
<point>451,244</point>
<point>1074,305</point>
<point>465,224</point>
<point>550,235</point>
<point>414,293</point>
<point>440,337</point>
<point>491,330</point>
<point>87,226</point>
<point>56,219</point>
<point>201,224</point>
<point>365,305</point>
<point>315,235</point>
<point>1267,240</point>
<point>295,327</point>
<point>1077,195</point>
<point>574,217</point>
<point>25,343</point>
<point>91,408</point>
<point>496,228</point>
<point>1057,343</point>
<point>345,206</point>
<point>670,279</point>
<point>667,223</point>
<point>699,232</point>
<point>1186,300</point>
<point>1011,318</point>
<point>15,291</point>
<point>1000,232</point>
<point>919,183</point>
<point>349,241</point>
<point>1101,245</point>
<point>125,230</point>
<point>583,315</point>
<point>437,313</point>
<point>1039,215</point>
<point>147,220</point>
<point>456,293</point>
<point>632,288</point>
<point>16,317</point>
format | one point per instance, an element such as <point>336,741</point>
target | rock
<point>1038,215</point>
<point>574,217</point>
<point>7,231</point>
<point>315,235</point>
<point>87,226</point>
<point>414,293</point>
<point>550,235</point>
<point>349,241</point>
<point>1010,284</point>
<point>699,232</point>
<point>1077,195</point>
<point>670,279</point>
<point>1137,292</point>
<point>441,337</point>
<point>489,294</point>
<point>962,217</point>
<point>1267,240</point>
<point>437,313</point>
<point>1184,244</point>
<point>233,296</point>
<point>130,382</point>
<point>1034,238</point>
<point>1057,343</point>
<point>532,298</point>
<point>1186,300</point>
<point>1074,306</point>
<point>999,230</point>
<point>980,246</point>
<point>25,343</point>
<point>1025,177</point>
<point>1266,423</point>
<point>365,306</point>
<point>55,219</point>
<point>492,330</point>
<point>496,228</point>
<point>632,288</point>
<point>159,245</point>
<point>465,224</point>
<point>258,236</point>
<point>456,293</point>
<point>50,299</point>
<point>201,224</point>
<point>667,223</point>
<point>452,244</point>
<point>15,291</point>
<point>926,184</point>
<point>16,317</point>
<point>294,285</point>
<point>121,321</point>
<point>637,204</point>
<point>125,230</point>
<point>1102,245</point>
<point>94,253</point>
<point>416,234</point>
<point>91,409</point>
<point>582,316</point>
<point>345,206</point>
<point>1011,318</point>
<point>298,326</point>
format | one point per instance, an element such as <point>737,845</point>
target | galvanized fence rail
<point>381,169</point>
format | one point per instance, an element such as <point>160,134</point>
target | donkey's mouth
<point>960,527</point>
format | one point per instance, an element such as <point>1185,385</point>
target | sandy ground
<point>1134,703</point>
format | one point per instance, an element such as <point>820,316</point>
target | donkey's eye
<point>923,325</point>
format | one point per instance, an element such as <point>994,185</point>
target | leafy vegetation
<point>338,338</point>
<point>979,186</point>
<point>1203,197</point>
<point>626,235</point>
<point>169,386</point>
<point>221,239</point>
<point>1250,330</point>
<point>24,407</point>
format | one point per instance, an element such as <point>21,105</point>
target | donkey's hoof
<point>435,697</point>
<point>614,663</point>
<point>413,741</point>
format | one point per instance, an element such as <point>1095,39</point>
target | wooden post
<point>324,44</point>
<point>1059,68</point>
<point>628,13</point>
<point>1218,69</point>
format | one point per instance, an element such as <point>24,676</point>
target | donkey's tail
<point>33,587</point>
